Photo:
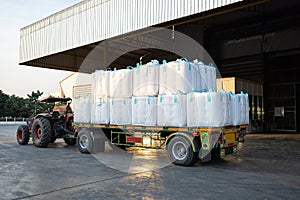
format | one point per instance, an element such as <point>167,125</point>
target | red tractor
<point>45,128</point>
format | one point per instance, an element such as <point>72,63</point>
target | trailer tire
<point>180,151</point>
<point>84,141</point>
<point>23,135</point>
<point>41,132</point>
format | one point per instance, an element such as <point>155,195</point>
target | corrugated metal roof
<point>92,21</point>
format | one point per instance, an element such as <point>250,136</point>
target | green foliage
<point>3,99</point>
<point>14,106</point>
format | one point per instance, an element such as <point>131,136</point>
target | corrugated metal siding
<point>95,20</point>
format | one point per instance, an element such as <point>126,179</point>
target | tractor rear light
<point>234,149</point>
<point>196,133</point>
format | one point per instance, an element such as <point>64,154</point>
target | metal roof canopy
<point>73,59</point>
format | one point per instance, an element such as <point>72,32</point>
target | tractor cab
<point>61,106</point>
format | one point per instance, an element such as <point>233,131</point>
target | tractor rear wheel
<point>52,140</point>
<point>70,141</point>
<point>41,132</point>
<point>23,135</point>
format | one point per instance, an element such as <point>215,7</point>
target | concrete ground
<point>266,167</point>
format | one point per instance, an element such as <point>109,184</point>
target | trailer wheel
<point>23,135</point>
<point>41,132</point>
<point>180,151</point>
<point>84,141</point>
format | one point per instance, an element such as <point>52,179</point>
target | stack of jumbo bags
<point>216,109</point>
<point>112,91</point>
<point>145,90</point>
<point>120,96</point>
<point>176,80</point>
<point>132,96</point>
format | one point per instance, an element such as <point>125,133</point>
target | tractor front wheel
<point>23,135</point>
<point>41,132</point>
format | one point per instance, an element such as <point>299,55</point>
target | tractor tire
<point>70,141</point>
<point>180,151</point>
<point>41,132</point>
<point>84,141</point>
<point>23,135</point>
<point>52,139</point>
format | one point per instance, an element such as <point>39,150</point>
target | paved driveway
<point>267,167</point>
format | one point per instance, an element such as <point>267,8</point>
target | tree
<point>14,106</point>
<point>34,98</point>
<point>3,99</point>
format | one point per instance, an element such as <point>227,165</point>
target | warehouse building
<point>256,41</point>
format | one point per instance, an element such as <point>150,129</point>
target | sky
<point>19,79</point>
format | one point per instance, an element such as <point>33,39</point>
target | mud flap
<point>205,155</point>
<point>98,143</point>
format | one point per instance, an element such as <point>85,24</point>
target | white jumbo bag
<point>100,83</point>
<point>121,83</point>
<point>227,107</point>
<point>205,109</point>
<point>76,108</point>
<point>247,110</point>
<point>243,100</point>
<point>237,109</point>
<point>229,115</point>
<point>162,80</point>
<point>147,82</point>
<point>196,109</point>
<point>120,111</point>
<point>172,110</point>
<point>150,70</point>
<point>203,75</point>
<point>184,78</point>
<point>197,75</point>
<point>136,76</point>
<point>212,79</point>
<point>177,76</point>
<point>100,110</point>
<point>144,111</point>
<point>82,109</point>
<point>171,78</point>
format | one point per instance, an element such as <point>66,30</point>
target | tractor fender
<point>195,141</point>
<point>46,115</point>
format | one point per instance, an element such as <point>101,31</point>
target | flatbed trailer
<point>185,145</point>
